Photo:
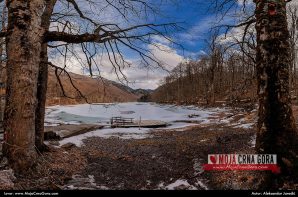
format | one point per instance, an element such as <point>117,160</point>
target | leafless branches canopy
<point>111,27</point>
<point>126,30</point>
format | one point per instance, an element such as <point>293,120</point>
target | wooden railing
<point>121,121</point>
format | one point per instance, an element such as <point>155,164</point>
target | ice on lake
<point>175,116</point>
<point>102,113</point>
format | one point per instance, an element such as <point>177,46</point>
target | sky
<point>194,16</point>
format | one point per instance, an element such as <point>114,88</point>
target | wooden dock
<point>129,122</point>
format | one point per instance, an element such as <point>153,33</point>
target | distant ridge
<point>96,90</point>
<point>140,93</point>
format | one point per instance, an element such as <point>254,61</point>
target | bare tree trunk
<point>277,132</point>
<point>2,62</point>
<point>212,79</point>
<point>43,81</point>
<point>1,77</point>
<point>41,99</point>
<point>23,42</point>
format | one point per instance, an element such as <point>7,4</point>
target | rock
<point>68,146</point>
<point>6,179</point>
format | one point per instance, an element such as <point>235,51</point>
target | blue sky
<point>196,18</point>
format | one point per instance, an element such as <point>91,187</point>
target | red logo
<point>213,159</point>
<point>222,162</point>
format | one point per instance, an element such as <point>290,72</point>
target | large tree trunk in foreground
<point>43,81</point>
<point>24,42</point>
<point>41,99</point>
<point>277,132</point>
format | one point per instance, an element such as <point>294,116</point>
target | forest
<point>226,72</point>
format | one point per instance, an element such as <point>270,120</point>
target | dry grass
<point>52,170</point>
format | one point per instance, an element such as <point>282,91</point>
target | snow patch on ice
<point>98,113</point>
<point>102,113</point>
<point>122,133</point>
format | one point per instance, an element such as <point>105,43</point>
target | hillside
<point>95,90</point>
<point>205,83</point>
<point>142,94</point>
<point>244,92</point>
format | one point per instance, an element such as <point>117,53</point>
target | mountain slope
<point>142,94</point>
<point>95,90</point>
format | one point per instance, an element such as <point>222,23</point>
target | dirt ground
<point>147,164</point>
<point>163,159</point>
<point>151,163</point>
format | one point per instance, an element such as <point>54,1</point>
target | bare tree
<point>229,74</point>
<point>293,27</point>
<point>31,29</point>
<point>24,32</point>
<point>215,58</point>
<point>2,57</point>
<point>276,128</point>
<point>277,131</point>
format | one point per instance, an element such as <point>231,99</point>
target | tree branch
<point>3,34</point>
<point>77,8</point>
<point>71,38</point>
<point>70,79</point>
<point>101,38</point>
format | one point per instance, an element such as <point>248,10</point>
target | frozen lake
<point>175,116</point>
<point>102,113</point>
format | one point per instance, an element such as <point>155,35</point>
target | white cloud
<point>247,2</point>
<point>148,78</point>
<point>166,55</point>
<point>104,13</point>
<point>161,39</point>
<point>197,31</point>
<point>235,35</point>
<point>139,76</point>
